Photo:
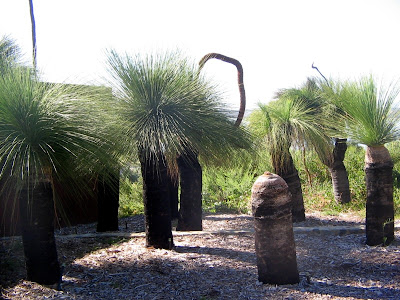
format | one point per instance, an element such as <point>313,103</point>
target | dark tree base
<point>37,217</point>
<point>108,202</point>
<point>190,213</point>
<point>157,209</point>
<point>337,169</point>
<point>173,185</point>
<point>380,207</point>
<point>294,184</point>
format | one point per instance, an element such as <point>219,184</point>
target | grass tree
<point>370,118</point>
<point>285,123</point>
<point>314,92</point>
<point>170,111</point>
<point>44,133</point>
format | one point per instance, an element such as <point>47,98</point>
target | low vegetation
<point>228,188</point>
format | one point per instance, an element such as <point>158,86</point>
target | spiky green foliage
<point>289,121</point>
<point>46,126</point>
<point>169,107</point>
<point>10,54</point>
<point>369,117</point>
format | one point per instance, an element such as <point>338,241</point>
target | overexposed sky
<point>276,41</point>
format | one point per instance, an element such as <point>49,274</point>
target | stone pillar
<point>274,237</point>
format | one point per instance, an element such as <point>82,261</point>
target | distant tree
<point>289,121</point>
<point>10,54</point>
<point>370,118</point>
<point>313,92</point>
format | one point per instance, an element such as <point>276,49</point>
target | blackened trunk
<point>380,207</point>
<point>190,212</point>
<point>108,201</point>
<point>157,209</point>
<point>173,184</point>
<point>293,181</point>
<point>287,170</point>
<point>337,169</point>
<point>37,219</point>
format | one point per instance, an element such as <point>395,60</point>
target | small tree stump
<point>274,237</point>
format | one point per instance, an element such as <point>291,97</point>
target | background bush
<point>227,188</point>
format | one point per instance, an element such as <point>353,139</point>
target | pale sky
<point>276,41</point>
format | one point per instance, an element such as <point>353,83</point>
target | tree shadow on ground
<point>221,252</point>
<point>170,274</point>
<point>330,290</point>
<point>12,264</point>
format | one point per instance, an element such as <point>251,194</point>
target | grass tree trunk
<point>380,207</point>
<point>274,237</point>
<point>108,201</point>
<point>190,212</point>
<point>37,217</point>
<point>156,201</point>
<point>337,169</point>
<point>287,170</point>
<point>173,185</point>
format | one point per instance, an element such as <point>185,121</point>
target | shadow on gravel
<point>221,252</point>
<point>12,264</point>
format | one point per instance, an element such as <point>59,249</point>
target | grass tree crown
<point>46,126</point>
<point>369,114</point>
<point>169,107</point>
<point>291,120</point>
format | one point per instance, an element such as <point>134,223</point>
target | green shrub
<point>228,188</point>
<point>130,197</point>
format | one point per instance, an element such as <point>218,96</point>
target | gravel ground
<point>219,263</point>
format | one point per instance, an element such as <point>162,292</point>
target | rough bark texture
<point>337,169</point>
<point>156,201</point>
<point>190,211</point>
<point>108,202</point>
<point>380,207</point>
<point>293,181</point>
<point>287,170</point>
<point>173,185</point>
<point>37,218</point>
<point>274,237</point>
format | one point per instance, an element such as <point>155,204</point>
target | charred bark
<point>380,206</point>
<point>190,212</point>
<point>173,186</point>
<point>108,201</point>
<point>284,167</point>
<point>294,183</point>
<point>157,209</point>
<point>337,169</point>
<point>37,221</point>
